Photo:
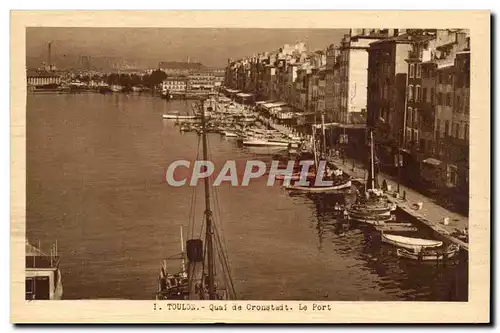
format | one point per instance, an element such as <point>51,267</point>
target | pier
<point>430,215</point>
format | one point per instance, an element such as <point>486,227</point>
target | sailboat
<point>373,207</point>
<point>197,278</point>
<point>339,180</point>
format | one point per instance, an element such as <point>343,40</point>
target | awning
<point>232,91</point>
<point>432,161</point>
<point>261,102</point>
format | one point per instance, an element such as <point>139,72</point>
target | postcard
<point>250,167</point>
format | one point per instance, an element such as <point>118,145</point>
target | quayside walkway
<point>430,214</point>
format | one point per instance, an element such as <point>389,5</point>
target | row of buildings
<point>204,80</point>
<point>412,86</point>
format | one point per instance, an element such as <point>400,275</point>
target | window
<point>457,131</point>
<point>446,127</point>
<point>415,118</point>
<point>417,93</point>
<point>412,70</point>
<point>410,92</point>
<point>449,101</point>
<point>409,117</point>
<point>440,98</point>
<point>466,132</point>
<point>425,98</point>
<point>29,286</point>
<point>419,71</point>
<point>438,128</point>
<point>432,95</point>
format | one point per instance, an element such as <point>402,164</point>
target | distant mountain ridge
<point>181,65</point>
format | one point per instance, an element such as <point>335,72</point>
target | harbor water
<point>95,183</point>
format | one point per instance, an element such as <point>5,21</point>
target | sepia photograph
<point>304,165</point>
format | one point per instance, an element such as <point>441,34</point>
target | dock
<point>430,215</point>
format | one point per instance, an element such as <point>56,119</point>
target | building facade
<point>42,78</point>
<point>175,84</point>
<point>202,81</point>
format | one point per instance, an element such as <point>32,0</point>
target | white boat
<point>410,243</point>
<point>264,143</point>
<point>43,277</point>
<point>429,255</point>
<point>318,189</point>
<point>229,134</point>
<point>176,116</point>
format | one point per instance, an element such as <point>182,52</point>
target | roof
<point>37,73</point>
<point>404,38</point>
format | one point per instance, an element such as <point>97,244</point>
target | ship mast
<point>208,212</point>
<point>323,141</point>
<point>371,172</point>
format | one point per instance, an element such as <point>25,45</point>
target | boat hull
<point>410,243</point>
<point>312,189</point>
<point>264,143</point>
<point>173,116</point>
<point>428,256</point>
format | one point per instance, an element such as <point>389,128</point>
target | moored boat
<point>177,116</point>
<point>396,227</point>
<point>318,189</point>
<point>373,207</point>
<point>429,255</point>
<point>43,277</point>
<point>410,243</point>
<point>264,143</point>
<point>229,134</point>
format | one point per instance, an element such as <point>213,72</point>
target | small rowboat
<point>294,176</point>
<point>376,219</point>
<point>176,116</point>
<point>410,243</point>
<point>432,255</point>
<point>394,226</point>
<point>317,189</point>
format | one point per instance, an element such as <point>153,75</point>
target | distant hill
<point>181,65</point>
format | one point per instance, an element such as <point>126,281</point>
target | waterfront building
<point>42,78</point>
<point>353,67</point>
<point>201,81</point>
<point>457,144</point>
<point>387,92</point>
<point>175,84</point>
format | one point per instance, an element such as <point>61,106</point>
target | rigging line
<point>193,201</point>
<point>227,280</point>
<point>220,222</point>
<point>225,263</point>
<point>224,258</point>
<point>227,275</point>
<point>217,203</point>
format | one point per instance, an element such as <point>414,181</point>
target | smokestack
<point>50,55</point>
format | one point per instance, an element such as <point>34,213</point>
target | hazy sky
<point>148,46</point>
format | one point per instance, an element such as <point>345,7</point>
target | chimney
<point>50,55</point>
